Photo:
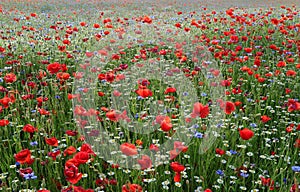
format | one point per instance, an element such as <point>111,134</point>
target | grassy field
<point>149,96</point>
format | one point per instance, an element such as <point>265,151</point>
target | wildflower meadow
<point>153,96</point>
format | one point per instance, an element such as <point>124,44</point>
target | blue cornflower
<point>136,116</point>
<point>210,76</point>
<point>285,180</point>
<point>203,94</point>
<point>185,94</point>
<point>198,135</point>
<point>296,168</point>
<point>245,175</point>
<point>196,126</point>
<point>17,165</point>
<point>219,125</point>
<point>30,176</point>
<point>233,152</point>
<point>140,97</point>
<point>220,172</point>
<point>34,143</point>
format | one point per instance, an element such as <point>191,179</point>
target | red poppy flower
<point>144,92</point>
<point>54,154</point>
<point>72,162</point>
<point>265,118</point>
<point>2,49</point>
<point>290,60</point>
<point>200,110</point>
<point>154,147</point>
<point>29,128</point>
<point>174,153</point>
<point>248,50</point>
<point>128,149</point>
<point>297,143</point>
<point>120,77</point>
<point>291,73</point>
<point>43,112</point>
<point>66,42</point>
<point>87,148</point>
<point>294,188</point>
<point>147,19</point>
<point>170,90</point>
<point>281,64</point>
<point>54,67</point>
<point>178,25</point>
<point>81,157</point>
<point>4,122</point>
<point>10,78</point>
<point>71,132</point>
<point>265,181</point>
<point>23,156</point>
<point>80,110</point>
<point>246,134</point>
<point>166,124</point>
<point>293,105</point>
<point>159,118</point>
<point>63,76</point>
<point>96,25</point>
<point>111,115</point>
<point>177,177</point>
<point>177,167</point>
<point>71,173</point>
<point>52,141</point>
<point>25,171</point>
<point>5,101</point>
<point>101,94</point>
<point>116,93</point>
<point>229,107</point>
<point>273,47</point>
<point>132,188</point>
<point>114,116</point>
<point>145,162</point>
<point>82,23</point>
<point>225,83</point>
<point>261,80</point>
<point>180,147</point>
<point>220,151</point>
<point>110,77</point>
<point>102,182</point>
<point>69,151</point>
